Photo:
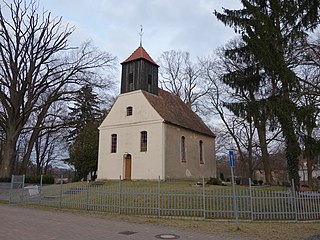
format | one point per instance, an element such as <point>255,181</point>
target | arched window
<point>201,152</point>
<point>129,111</point>
<point>183,149</point>
<point>143,141</point>
<point>113,143</point>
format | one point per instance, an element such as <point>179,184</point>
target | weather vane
<point>141,33</point>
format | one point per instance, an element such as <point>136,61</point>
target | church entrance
<point>127,167</point>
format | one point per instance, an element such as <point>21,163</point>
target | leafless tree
<point>37,69</point>
<point>183,77</point>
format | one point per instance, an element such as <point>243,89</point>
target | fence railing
<point>198,202</point>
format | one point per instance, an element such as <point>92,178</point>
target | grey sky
<point>113,25</point>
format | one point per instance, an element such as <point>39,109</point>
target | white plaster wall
<point>145,165</point>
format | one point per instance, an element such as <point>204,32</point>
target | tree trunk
<point>26,157</point>
<point>250,157</point>
<point>9,156</point>
<point>34,137</point>
<point>265,154</point>
<point>38,170</point>
<point>309,171</point>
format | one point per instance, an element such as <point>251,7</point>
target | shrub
<point>47,179</point>
<point>260,182</point>
<point>214,181</point>
<point>255,182</point>
<point>37,179</point>
<point>5,179</point>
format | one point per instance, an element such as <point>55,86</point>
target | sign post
<point>231,155</point>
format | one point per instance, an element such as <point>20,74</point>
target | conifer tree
<point>84,120</point>
<point>271,30</point>
<point>250,99</point>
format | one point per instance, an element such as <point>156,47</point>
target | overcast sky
<point>113,25</point>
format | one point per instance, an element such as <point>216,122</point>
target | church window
<point>201,152</point>
<point>130,81</point>
<point>129,111</point>
<point>143,141</point>
<point>113,143</point>
<point>183,149</point>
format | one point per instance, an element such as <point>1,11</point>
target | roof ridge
<point>140,53</point>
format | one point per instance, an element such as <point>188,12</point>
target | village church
<point>151,133</point>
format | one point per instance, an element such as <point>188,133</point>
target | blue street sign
<point>231,155</point>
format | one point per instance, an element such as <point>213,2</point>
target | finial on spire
<point>141,33</point>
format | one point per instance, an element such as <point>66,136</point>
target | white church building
<point>151,133</point>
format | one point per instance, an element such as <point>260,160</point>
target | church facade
<point>151,133</point>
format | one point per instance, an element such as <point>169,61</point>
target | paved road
<point>18,223</point>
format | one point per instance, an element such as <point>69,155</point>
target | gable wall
<point>145,165</point>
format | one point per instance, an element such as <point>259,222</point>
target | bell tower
<point>139,72</point>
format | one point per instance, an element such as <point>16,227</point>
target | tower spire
<point>141,34</point>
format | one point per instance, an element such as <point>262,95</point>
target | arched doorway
<point>127,166</point>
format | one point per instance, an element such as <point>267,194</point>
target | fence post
<point>22,192</point>
<point>251,205</point>
<point>11,189</point>
<point>40,190</point>
<point>159,198</point>
<point>294,200</point>
<point>119,203</point>
<point>87,197</point>
<point>235,203</point>
<point>61,182</point>
<point>204,199</point>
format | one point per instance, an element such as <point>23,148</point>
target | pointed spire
<point>141,34</point>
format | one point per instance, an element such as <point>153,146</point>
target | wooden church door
<point>127,167</point>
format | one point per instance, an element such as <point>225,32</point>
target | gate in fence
<point>20,192</point>
<point>199,202</point>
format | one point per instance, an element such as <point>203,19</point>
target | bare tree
<point>183,77</point>
<point>37,68</point>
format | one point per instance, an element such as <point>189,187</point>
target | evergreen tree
<point>84,120</point>
<point>84,151</point>
<point>245,75</point>
<point>271,30</point>
<point>85,110</point>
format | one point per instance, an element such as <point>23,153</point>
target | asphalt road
<point>19,223</point>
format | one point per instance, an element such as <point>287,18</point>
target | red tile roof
<point>173,110</point>
<point>140,53</point>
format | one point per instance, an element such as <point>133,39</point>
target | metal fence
<point>199,201</point>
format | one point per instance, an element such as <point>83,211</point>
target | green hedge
<point>36,179</point>
<point>33,179</point>
<point>5,179</point>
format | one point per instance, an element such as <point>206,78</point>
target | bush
<point>260,182</point>
<point>36,179</point>
<point>255,182</point>
<point>5,179</point>
<point>214,181</point>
